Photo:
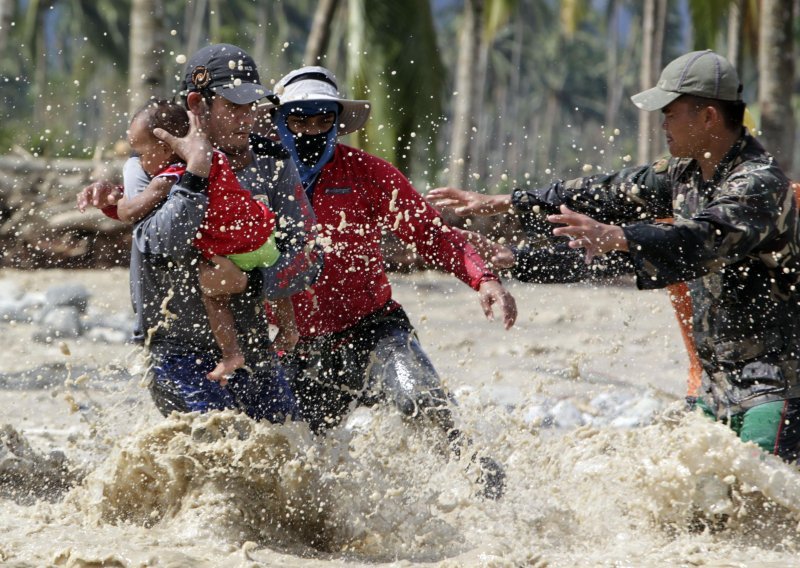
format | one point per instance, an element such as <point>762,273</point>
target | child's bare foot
<point>225,368</point>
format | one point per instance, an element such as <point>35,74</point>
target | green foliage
<point>545,95</point>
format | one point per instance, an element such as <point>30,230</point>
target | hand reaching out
<point>597,238</point>
<point>466,203</point>
<point>99,194</point>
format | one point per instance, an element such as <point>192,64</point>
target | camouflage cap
<point>700,73</point>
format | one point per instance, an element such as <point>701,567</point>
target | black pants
<point>378,358</point>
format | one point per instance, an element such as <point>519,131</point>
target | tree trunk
<point>615,85</point>
<point>196,29</point>
<point>40,75</point>
<point>657,140</point>
<point>260,50</point>
<point>480,144</point>
<point>463,112</point>
<point>644,153</point>
<point>214,21</point>
<point>514,152</point>
<point>775,80</point>
<point>612,55</point>
<point>146,75</point>
<point>6,18</point>
<point>318,39</point>
<point>653,26</point>
<point>548,141</point>
<point>734,33</point>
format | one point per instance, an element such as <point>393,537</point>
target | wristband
<point>487,277</point>
<point>110,211</point>
<point>194,182</point>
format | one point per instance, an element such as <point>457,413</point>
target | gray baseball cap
<point>700,73</point>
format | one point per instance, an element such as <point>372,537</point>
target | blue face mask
<point>310,153</point>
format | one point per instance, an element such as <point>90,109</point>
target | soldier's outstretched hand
<point>586,233</point>
<point>467,203</point>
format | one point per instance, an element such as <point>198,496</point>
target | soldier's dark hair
<point>164,114</point>
<point>732,112</point>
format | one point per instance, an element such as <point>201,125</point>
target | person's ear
<point>196,103</point>
<point>711,116</point>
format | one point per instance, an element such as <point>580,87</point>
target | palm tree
<point>740,21</point>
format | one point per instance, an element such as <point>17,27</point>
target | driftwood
<point>39,224</point>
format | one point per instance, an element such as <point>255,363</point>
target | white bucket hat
<point>319,84</point>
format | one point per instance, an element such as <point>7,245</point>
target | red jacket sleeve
<point>404,212</point>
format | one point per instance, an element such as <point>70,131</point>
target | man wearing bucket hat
<point>220,88</point>
<point>356,343</point>
<point>734,241</point>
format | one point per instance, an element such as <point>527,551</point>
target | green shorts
<point>265,255</point>
<point>773,426</point>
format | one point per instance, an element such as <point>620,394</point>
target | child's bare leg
<point>287,328</point>
<point>218,280</point>
<point>221,277</point>
<point>222,325</point>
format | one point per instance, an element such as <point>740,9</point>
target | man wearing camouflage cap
<point>734,241</point>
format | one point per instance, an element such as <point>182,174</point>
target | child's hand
<point>99,194</point>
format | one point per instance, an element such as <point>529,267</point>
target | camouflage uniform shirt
<point>734,240</point>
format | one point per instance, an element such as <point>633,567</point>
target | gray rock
<point>639,413</point>
<point>117,321</point>
<point>62,322</point>
<point>566,415</point>
<point>26,474</point>
<point>75,295</point>
<point>10,290</point>
<point>24,309</point>
<point>11,310</point>
<point>538,415</point>
<point>107,335</point>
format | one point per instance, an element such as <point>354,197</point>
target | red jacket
<point>357,197</point>
<point>235,222</point>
